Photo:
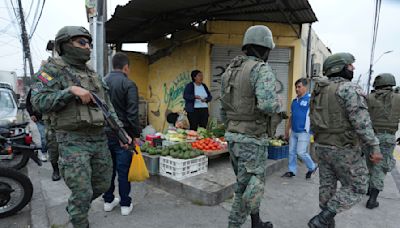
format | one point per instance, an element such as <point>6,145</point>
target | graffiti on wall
<point>173,94</point>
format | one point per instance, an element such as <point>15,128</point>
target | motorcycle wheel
<point>15,191</point>
<point>19,161</point>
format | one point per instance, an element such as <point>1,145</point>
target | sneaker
<point>110,206</point>
<point>289,174</point>
<point>309,173</point>
<point>126,210</point>
<point>43,157</point>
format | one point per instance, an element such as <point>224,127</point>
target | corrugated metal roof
<point>146,20</point>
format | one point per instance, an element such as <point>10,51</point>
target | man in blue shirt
<point>299,123</point>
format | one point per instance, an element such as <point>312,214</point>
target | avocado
<point>186,155</point>
<point>193,154</point>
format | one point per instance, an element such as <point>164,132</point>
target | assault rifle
<point>119,131</point>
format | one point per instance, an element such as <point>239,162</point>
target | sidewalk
<point>288,203</point>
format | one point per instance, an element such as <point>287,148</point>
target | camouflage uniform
<point>248,153</point>
<point>52,145</point>
<point>377,172</point>
<point>384,110</point>
<point>85,161</point>
<point>346,164</point>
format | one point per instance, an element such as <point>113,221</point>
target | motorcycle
<point>14,139</point>
<point>15,188</point>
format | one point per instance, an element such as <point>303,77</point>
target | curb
<point>39,217</point>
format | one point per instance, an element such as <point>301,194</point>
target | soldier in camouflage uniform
<point>52,147</point>
<point>62,89</point>
<point>247,96</point>
<point>384,109</point>
<point>339,118</point>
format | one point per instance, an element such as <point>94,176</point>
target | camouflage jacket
<point>353,100</point>
<point>263,81</point>
<point>48,98</point>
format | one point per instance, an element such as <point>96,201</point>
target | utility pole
<point>97,20</point>
<point>25,45</point>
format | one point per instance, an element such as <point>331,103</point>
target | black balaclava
<point>344,73</point>
<point>257,51</point>
<point>74,55</point>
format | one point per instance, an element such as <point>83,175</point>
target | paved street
<point>287,203</point>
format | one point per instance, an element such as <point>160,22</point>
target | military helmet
<point>259,35</point>
<point>336,62</point>
<point>384,79</point>
<point>68,32</point>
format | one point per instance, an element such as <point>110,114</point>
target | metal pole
<point>369,78</point>
<point>371,70</point>
<point>25,42</point>
<point>100,37</point>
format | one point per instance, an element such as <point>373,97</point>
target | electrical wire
<point>30,9</point>
<point>36,13</point>
<point>37,22</point>
<point>374,38</point>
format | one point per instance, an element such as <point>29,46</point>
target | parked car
<point>10,108</point>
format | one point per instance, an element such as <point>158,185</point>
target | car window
<point>6,100</point>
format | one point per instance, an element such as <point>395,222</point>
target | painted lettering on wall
<point>173,94</point>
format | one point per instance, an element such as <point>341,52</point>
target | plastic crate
<point>278,152</point>
<point>179,169</point>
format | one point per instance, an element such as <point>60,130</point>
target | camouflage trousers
<point>377,172</point>
<point>86,166</point>
<point>248,161</point>
<point>347,166</point>
<point>52,145</point>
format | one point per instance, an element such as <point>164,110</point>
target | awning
<point>145,20</point>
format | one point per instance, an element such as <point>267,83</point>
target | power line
<point>374,37</point>
<point>37,22</point>
<point>30,9</point>
<point>35,15</point>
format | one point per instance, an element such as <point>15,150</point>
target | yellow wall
<point>168,77</point>
<point>139,71</point>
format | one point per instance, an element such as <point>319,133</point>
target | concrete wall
<point>139,72</point>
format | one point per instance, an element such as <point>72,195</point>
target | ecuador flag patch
<point>44,77</point>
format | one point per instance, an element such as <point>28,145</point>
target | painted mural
<point>173,94</point>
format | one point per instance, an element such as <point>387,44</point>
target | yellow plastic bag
<point>138,171</point>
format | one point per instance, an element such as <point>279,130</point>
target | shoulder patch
<point>38,86</point>
<point>44,77</point>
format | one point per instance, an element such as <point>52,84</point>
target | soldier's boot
<point>372,203</point>
<point>56,172</point>
<point>257,223</point>
<point>324,219</point>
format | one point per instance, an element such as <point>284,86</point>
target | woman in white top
<point>196,97</point>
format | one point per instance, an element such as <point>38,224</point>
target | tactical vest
<point>384,110</point>
<point>240,102</point>
<point>328,119</point>
<point>75,115</point>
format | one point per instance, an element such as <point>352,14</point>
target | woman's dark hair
<point>194,74</point>
<point>172,117</point>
